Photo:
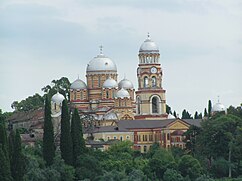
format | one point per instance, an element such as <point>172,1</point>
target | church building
<point>103,97</point>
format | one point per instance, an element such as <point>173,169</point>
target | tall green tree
<point>191,139</point>
<point>62,85</point>
<point>65,138</point>
<point>172,175</point>
<point>48,137</point>
<point>5,174</point>
<point>209,108</point>
<point>11,141</point>
<point>174,114</point>
<point>219,139</point>
<point>3,139</point>
<point>189,166</point>
<point>168,109</point>
<point>30,103</point>
<point>196,115</point>
<point>77,136</point>
<point>186,114</point>
<point>205,112</point>
<point>160,162</point>
<point>18,159</point>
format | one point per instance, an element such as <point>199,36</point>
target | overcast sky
<point>200,43</point>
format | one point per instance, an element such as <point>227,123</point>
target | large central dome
<point>101,63</point>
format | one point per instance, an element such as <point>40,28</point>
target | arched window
<point>107,95</point>
<point>113,94</point>
<point>92,82</point>
<point>155,105</point>
<point>55,106</point>
<point>146,82</point>
<point>138,105</point>
<point>75,95</point>
<point>99,81</point>
<point>153,81</point>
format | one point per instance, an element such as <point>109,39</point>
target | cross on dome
<point>218,98</point>
<point>101,49</point>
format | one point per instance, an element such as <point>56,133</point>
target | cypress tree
<point>65,138</point>
<point>205,112</point>
<point>18,160</point>
<point>184,114</point>
<point>77,136</point>
<point>11,149</point>
<point>48,137</point>
<point>209,108</point>
<point>3,139</point>
<point>174,114</point>
<point>5,173</point>
<point>196,115</point>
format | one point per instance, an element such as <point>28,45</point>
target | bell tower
<point>150,96</point>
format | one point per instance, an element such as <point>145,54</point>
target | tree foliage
<point>62,85</point>
<point>205,113</point>
<point>36,101</point>
<point>171,175</point>
<point>186,114</point>
<point>160,162</point>
<point>5,174</point>
<point>191,139</point>
<point>65,137</point>
<point>48,136</point>
<point>209,108</point>
<point>189,166</point>
<point>30,103</point>
<point>77,136</point>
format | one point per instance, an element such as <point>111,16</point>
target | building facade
<point>150,96</point>
<point>101,94</point>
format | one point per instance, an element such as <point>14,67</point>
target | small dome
<point>170,116</point>
<point>101,63</point>
<point>110,83</point>
<point>149,46</point>
<point>122,93</point>
<point>57,98</point>
<point>78,84</point>
<point>218,107</point>
<point>110,116</point>
<point>126,84</point>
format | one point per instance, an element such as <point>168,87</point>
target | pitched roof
<point>195,122</point>
<point>32,115</point>
<point>144,124</point>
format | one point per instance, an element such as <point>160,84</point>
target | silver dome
<point>170,116</point>
<point>57,98</point>
<point>122,93</point>
<point>126,84</point>
<point>218,107</point>
<point>78,84</point>
<point>149,46</point>
<point>110,83</point>
<point>110,116</point>
<point>101,63</point>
